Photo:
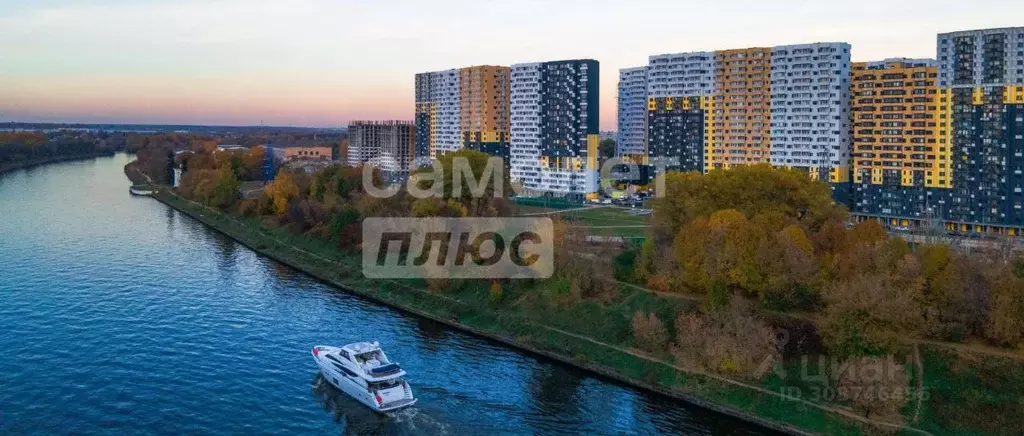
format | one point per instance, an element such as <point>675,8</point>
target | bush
<point>248,208</point>
<point>439,285</point>
<point>588,280</point>
<point>658,283</point>
<point>733,341</point>
<point>650,334</point>
<point>495,293</point>
<point>717,299</point>
<point>852,333</point>
<point>625,262</point>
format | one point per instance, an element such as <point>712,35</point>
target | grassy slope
<point>587,334</point>
<point>971,394</point>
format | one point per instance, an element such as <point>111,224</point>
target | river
<point>121,315</point>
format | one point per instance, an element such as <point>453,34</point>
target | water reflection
<point>684,419</point>
<point>351,416</point>
<point>434,334</point>
<point>282,273</point>
<point>556,390</point>
<point>227,248</point>
<point>171,216</point>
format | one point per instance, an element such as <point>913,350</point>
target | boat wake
<point>417,422</point>
<point>357,419</point>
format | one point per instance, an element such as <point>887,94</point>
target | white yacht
<point>363,371</point>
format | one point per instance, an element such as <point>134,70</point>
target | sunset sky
<point>324,63</point>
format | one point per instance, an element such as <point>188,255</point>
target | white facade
<point>443,90</point>
<point>448,98</point>
<point>525,125</point>
<point>681,74</point>
<point>556,82</point>
<point>632,112</point>
<point>810,106</point>
<point>1008,56</point>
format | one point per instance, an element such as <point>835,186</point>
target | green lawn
<point>607,216</point>
<point>601,220</point>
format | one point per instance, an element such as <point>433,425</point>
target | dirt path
<point>554,212</point>
<point>920,381</point>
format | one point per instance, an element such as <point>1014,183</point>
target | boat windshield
<point>386,384</point>
<point>374,358</point>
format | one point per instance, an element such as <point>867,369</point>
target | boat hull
<point>346,384</point>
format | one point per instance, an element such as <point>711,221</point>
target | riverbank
<point>37,162</point>
<point>748,402</point>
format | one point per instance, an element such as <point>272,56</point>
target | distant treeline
<point>155,150</point>
<point>19,147</point>
<point>157,128</point>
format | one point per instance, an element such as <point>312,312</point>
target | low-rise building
<point>290,153</point>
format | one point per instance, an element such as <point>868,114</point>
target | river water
<point>119,315</point>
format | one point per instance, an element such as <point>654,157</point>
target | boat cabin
<point>370,359</point>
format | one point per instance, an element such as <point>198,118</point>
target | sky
<point>324,63</point>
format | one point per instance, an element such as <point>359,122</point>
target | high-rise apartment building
<point>943,140</point>
<point>680,108</point>
<point>463,108</point>
<point>632,114</point>
<point>742,125</point>
<point>554,123</point>
<point>981,79</point>
<point>787,105</point>
<point>810,109</point>
<point>901,163</point>
<point>388,145</point>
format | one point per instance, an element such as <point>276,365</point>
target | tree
<point>606,149</point>
<point>751,190</point>
<point>866,314</point>
<point>1006,310</point>
<point>789,270</point>
<point>253,163</point>
<point>345,227</point>
<point>225,191</point>
<point>199,185</point>
<point>650,334</point>
<point>281,191</point>
<point>868,232</point>
<point>489,200</point>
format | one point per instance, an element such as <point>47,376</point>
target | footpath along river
<point>121,315</point>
